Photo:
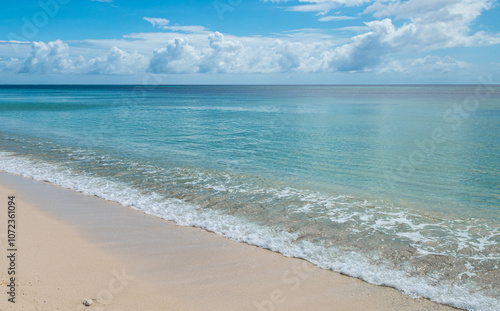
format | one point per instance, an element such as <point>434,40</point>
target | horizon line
<point>296,84</point>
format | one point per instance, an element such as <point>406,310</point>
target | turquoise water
<point>397,185</point>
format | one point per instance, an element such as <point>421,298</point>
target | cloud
<point>186,29</point>
<point>367,50</point>
<point>224,56</point>
<point>14,42</point>
<point>429,24</point>
<point>116,62</point>
<point>233,56</point>
<point>425,26</point>
<point>399,31</point>
<point>49,57</point>
<point>163,23</point>
<point>428,64</point>
<point>10,65</point>
<point>440,64</point>
<point>437,24</point>
<point>461,11</point>
<point>322,6</point>
<point>219,54</point>
<point>377,45</point>
<point>54,58</point>
<point>156,21</point>
<point>335,18</point>
<point>177,57</point>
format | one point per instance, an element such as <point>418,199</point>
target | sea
<point>398,185</point>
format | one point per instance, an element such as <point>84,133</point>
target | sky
<point>250,42</point>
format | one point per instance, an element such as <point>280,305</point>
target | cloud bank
<point>424,26</point>
<point>54,58</point>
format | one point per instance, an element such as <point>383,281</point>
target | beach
<point>72,246</point>
<point>250,155</point>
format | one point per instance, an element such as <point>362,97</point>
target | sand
<point>72,246</point>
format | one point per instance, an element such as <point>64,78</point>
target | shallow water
<point>397,185</point>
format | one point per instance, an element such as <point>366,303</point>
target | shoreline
<point>74,246</point>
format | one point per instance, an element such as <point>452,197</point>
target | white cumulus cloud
<point>400,29</point>
<point>437,24</point>
<point>233,56</point>
<point>116,62</point>
<point>49,57</point>
<point>429,24</point>
<point>54,58</point>
<point>177,57</point>
<point>225,56</point>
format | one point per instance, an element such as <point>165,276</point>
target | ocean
<point>395,185</point>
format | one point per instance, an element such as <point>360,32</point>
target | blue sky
<point>250,42</point>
